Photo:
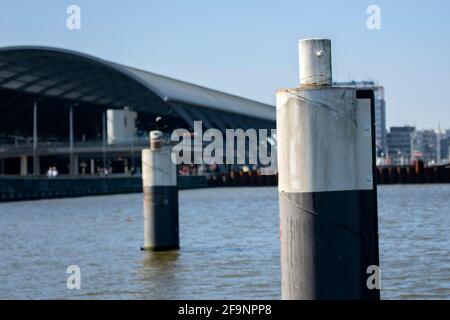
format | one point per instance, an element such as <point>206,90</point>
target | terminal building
<point>80,113</point>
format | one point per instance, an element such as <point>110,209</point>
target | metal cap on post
<point>315,62</point>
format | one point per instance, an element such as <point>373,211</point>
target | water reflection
<point>158,274</point>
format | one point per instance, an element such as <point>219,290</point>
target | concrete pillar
<point>83,166</point>
<point>71,128</point>
<point>125,165</point>
<point>104,138</point>
<point>327,193</point>
<point>159,178</point>
<point>23,165</point>
<point>72,158</point>
<point>74,164</point>
<point>36,165</point>
<point>92,167</point>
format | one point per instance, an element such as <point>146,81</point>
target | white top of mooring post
<point>315,62</point>
<point>156,139</point>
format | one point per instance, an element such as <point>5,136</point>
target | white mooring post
<point>159,179</point>
<point>327,192</point>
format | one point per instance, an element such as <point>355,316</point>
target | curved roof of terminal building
<point>77,76</point>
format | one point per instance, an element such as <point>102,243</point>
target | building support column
<point>36,168</point>
<point>71,155</point>
<point>73,158</point>
<point>74,164</point>
<point>159,179</point>
<point>125,165</point>
<point>23,165</point>
<point>92,167</point>
<point>104,138</point>
<point>327,192</point>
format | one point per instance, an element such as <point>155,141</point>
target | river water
<point>230,246</point>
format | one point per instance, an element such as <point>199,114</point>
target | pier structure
<point>327,191</point>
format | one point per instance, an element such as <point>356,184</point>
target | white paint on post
<point>316,139</point>
<point>157,166</point>
<point>158,169</point>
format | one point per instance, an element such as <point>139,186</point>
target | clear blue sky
<point>249,48</point>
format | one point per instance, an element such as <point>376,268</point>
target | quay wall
<point>32,188</point>
<point>416,173</point>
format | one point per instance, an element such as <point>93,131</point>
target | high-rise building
<point>400,145</point>
<point>380,112</point>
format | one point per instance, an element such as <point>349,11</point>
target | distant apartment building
<point>400,145</point>
<point>426,146</point>
<point>380,112</point>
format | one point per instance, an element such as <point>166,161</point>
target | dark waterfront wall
<point>242,179</point>
<point>416,173</point>
<point>32,188</point>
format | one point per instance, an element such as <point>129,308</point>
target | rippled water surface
<point>230,246</point>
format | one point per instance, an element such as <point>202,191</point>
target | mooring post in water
<point>327,192</point>
<point>159,179</point>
